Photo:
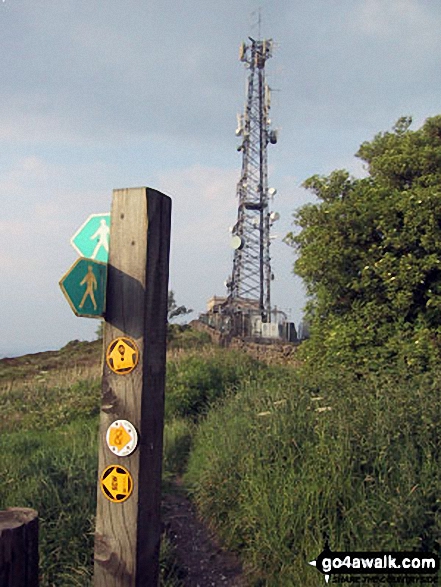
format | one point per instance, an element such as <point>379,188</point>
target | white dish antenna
<point>272,192</point>
<point>274,216</point>
<point>237,243</point>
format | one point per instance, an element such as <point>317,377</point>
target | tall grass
<point>43,406</point>
<point>195,380</point>
<point>53,470</point>
<point>290,460</point>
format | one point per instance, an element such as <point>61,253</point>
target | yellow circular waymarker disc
<point>116,483</point>
<point>122,355</point>
<point>122,438</point>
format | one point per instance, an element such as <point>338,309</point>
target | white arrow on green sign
<point>91,240</point>
<point>84,286</point>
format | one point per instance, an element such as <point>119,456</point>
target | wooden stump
<point>19,547</point>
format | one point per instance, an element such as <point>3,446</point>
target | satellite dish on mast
<point>272,192</point>
<point>274,216</point>
<point>237,243</point>
<point>273,137</point>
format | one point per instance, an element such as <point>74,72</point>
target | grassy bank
<point>292,459</point>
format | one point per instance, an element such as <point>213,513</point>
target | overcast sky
<point>104,94</point>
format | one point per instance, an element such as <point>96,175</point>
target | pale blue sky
<point>104,94</point>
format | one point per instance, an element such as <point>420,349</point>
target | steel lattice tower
<point>251,277</point>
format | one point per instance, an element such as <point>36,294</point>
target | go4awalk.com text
<point>378,567</point>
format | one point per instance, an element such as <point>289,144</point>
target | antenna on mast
<point>257,22</point>
<point>260,21</point>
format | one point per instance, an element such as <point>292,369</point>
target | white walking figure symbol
<point>103,234</point>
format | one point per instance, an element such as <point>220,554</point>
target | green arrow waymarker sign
<point>91,240</point>
<point>84,286</point>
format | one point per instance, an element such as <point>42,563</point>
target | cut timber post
<point>19,548</point>
<point>127,537</point>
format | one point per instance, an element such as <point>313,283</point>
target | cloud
<point>91,71</point>
<point>397,18</point>
<point>42,205</point>
<point>204,203</point>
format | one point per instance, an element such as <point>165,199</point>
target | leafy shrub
<point>369,254</point>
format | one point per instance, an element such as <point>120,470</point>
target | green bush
<point>355,343</point>
<point>183,337</point>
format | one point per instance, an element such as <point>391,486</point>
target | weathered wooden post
<point>127,537</point>
<point>19,548</point>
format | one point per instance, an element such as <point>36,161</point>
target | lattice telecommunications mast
<point>250,283</point>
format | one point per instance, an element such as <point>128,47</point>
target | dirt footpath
<point>198,552</point>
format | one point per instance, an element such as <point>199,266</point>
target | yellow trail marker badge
<point>122,355</point>
<point>116,483</point>
<point>122,438</point>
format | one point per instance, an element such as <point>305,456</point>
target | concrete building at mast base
<point>243,319</point>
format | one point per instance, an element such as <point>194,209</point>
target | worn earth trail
<point>199,554</point>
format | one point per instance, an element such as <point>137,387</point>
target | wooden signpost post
<point>127,536</point>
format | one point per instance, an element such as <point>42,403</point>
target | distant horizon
<point>33,350</point>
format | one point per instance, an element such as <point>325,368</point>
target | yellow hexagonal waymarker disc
<point>116,483</point>
<point>122,355</point>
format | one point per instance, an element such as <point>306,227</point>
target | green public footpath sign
<point>84,286</point>
<point>91,240</point>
